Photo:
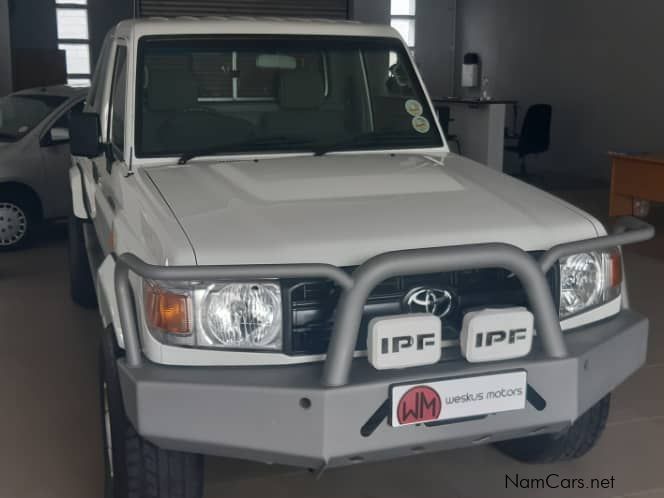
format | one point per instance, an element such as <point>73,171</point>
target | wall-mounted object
<point>35,67</point>
<point>470,73</point>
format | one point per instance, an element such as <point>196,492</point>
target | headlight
<point>243,316</point>
<point>224,315</point>
<point>588,280</point>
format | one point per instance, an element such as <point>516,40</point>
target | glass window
<point>21,113</point>
<point>228,94</point>
<point>406,28</point>
<point>63,121</point>
<point>230,75</point>
<point>402,19</point>
<point>78,82</point>
<point>214,73</point>
<point>72,24</point>
<point>257,79</point>
<point>73,36</point>
<point>59,132</point>
<point>402,8</point>
<point>78,57</point>
<point>119,91</point>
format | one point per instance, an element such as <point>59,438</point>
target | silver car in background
<point>34,159</point>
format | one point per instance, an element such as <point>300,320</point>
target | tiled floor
<point>49,429</point>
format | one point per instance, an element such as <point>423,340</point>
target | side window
<point>258,73</point>
<point>63,121</point>
<point>389,75</point>
<point>118,98</point>
<point>59,132</point>
<point>232,75</point>
<point>214,73</point>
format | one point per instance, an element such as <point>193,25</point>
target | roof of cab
<point>55,90</point>
<point>189,25</point>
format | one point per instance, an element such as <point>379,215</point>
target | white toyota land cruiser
<point>292,267</point>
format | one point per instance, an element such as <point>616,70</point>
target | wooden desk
<point>635,177</point>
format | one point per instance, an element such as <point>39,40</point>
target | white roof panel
<point>249,25</point>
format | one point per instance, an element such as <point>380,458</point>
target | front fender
<point>108,304</point>
<point>77,200</point>
<point>82,191</point>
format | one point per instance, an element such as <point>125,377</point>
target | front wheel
<point>134,467</point>
<point>17,220</point>
<point>573,443</point>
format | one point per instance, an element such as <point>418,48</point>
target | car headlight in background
<point>224,315</point>
<point>588,280</point>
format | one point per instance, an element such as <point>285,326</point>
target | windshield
<point>230,94</point>
<point>21,113</point>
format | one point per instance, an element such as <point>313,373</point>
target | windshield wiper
<point>318,149</point>
<point>243,146</point>
<point>370,138</point>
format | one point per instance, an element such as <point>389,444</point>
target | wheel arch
<point>25,191</point>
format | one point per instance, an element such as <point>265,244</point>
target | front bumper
<point>258,413</point>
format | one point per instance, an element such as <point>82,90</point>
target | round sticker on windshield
<point>413,107</point>
<point>421,124</point>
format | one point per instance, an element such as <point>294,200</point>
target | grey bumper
<point>257,413</point>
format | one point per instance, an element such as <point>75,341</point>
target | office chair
<point>444,119</point>
<point>535,134</point>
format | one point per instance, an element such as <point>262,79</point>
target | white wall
<point>5,50</point>
<point>598,62</point>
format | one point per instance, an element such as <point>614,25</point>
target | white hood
<point>343,209</point>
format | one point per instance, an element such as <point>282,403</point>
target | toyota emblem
<point>425,300</point>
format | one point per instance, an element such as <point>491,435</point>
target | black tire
<point>571,444</point>
<point>18,218</point>
<point>140,469</point>
<point>81,284</point>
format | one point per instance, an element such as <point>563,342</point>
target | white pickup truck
<point>292,267</point>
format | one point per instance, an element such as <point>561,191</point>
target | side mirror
<point>85,133</point>
<point>59,135</point>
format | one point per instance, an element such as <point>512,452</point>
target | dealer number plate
<point>458,398</point>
